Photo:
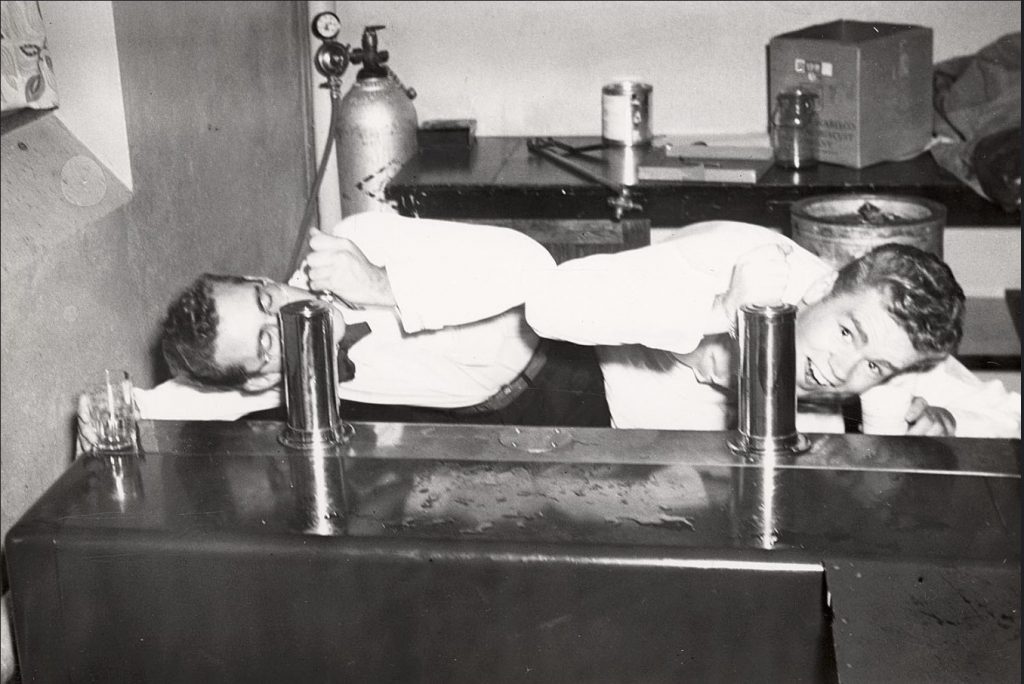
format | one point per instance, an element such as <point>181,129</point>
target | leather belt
<point>511,391</point>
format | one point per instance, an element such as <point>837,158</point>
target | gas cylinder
<point>376,130</point>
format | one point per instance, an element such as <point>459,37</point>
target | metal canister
<point>626,114</point>
<point>376,127</point>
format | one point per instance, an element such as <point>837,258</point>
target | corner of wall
<point>53,189</point>
<point>83,45</point>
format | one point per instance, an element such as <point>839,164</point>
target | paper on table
<point>703,169</point>
<point>756,146</point>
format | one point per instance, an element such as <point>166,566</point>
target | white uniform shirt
<point>642,306</point>
<point>456,336</point>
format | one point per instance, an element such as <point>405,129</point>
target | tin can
<point>626,114</point>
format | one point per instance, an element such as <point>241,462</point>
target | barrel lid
<point>869,209</point>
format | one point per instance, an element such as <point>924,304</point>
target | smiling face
<point>849,342</point>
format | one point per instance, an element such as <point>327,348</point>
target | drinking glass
<point>110,412</point>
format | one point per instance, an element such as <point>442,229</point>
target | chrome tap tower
<point>309,368</point>
<point>767,382</point>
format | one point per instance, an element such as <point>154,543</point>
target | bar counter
<point>423,552</point>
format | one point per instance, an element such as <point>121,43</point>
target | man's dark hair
<point>190,335</point>
<point>924,297</point>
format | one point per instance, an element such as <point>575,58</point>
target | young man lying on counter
<point>448,327</point>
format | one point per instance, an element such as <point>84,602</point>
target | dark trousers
<point>567,391</point>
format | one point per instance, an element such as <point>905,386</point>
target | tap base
<point>310,439</point>
<point>753,448</point>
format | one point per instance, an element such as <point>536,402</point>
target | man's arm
<point>438,273</point>
<point>179,400</point>
<point>670,295</point>
<point>647,296</point>
<point>979,408</point>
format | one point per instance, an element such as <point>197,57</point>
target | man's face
<point>247,331</point>
<point>848,343</point>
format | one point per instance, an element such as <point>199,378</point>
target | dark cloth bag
<point>977,120</point>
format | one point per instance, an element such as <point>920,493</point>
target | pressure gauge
<point>326,25</point>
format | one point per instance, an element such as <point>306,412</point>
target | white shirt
<point>642,305</point>
<point>456,336</point>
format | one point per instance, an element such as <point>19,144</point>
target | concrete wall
<point>216,112</point>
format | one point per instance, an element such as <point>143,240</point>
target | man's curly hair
<point>924,297</point>
<point>190,335</point>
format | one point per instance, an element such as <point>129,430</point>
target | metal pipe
<point>767,381</point>
<point>309,369</point>
<point>623,200</point>
<point>540,147</point>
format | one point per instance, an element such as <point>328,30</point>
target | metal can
<point>626,114</point>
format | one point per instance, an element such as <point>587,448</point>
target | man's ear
<point>820,288</point>
<point>261,383</point>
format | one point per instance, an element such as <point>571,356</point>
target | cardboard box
<point>874,86</point>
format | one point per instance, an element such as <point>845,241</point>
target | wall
<point>216,109</point>
<point>536,68</point>
<point>91,102</point>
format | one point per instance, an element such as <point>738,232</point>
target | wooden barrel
<point>840,228</point>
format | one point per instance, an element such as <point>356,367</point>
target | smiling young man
<point>661,315</point>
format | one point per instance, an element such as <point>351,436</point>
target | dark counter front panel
<point>444,553</point>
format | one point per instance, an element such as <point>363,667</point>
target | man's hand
<point>336,264</point>
<point>86,432</point>
<point>714,361</point>
<point>759,277</point>
<point>929,421</point>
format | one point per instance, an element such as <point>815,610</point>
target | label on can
<point>626,113</point>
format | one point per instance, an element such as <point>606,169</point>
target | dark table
<point>433,553</point>
<point>499,177</point>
